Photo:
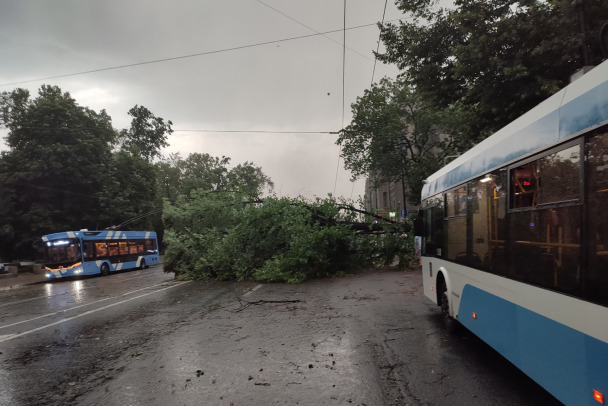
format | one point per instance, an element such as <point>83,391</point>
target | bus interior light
<point>599,396</point>
<point>486,179</point>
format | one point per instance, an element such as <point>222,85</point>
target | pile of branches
<point>227,236</point>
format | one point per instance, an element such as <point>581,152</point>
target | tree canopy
<point>466,72</point>
<point>495,58</point>
<point>180,176</point>
<point>147,134</point>
<point>398,135</point>
<point>51,175</point>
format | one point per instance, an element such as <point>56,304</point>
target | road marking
<point>252,290</point>
<point>67,292</point>
<point>79,306</point>
<point>11,336</point>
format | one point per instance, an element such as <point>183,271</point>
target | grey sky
<point>293,85</point>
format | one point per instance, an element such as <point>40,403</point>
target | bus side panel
<point>429,279</point>
<point>92,267</point>
<point>566,362</point>
<point>151,259</point>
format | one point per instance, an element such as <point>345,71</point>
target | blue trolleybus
<point>515,241</point>
<point>98,252</point>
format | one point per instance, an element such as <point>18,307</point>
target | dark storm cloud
<point>288,86</point>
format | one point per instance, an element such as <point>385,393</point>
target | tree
<point>496,59</point>
<point>179,176</point>
<point>130,196</point>
<point>179,179</point>
<point>147,134</point>
<point>202,171</point>
<point>168,178</point>
<point>397,136</point>
<point>225,235</point>
<point>249,178</point>
<point>52,175</point>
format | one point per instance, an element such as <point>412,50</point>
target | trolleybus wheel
<point>105,270</point>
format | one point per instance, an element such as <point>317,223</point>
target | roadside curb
<point>8,281</point>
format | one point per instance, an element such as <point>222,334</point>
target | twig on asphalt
<point>260,302</point>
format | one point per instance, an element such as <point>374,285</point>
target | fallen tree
<point>227,235</point>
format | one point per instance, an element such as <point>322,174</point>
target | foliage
<point>147,134</point>
<point>129,192</point>
<point>495,58</point>
<point>398,136</point>
<point>131,197</point>
<point>180,176</point>
<point>226,235</point>
<point>50,176</point>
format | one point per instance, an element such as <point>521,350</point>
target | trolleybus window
<point>432,237</point>
<point>62,251</point>
<point>596,283</point>
<point>545,241</point>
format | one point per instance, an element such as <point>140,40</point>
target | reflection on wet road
<point>142,338</point>
<point>36,307</point>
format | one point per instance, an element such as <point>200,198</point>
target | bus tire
<point>142,264</point>
<point>105,269</point>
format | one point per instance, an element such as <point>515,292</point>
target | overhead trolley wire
<point>343,91</point>
<point>259,131</point>
<point>378,47</point>
<point>312,29</point>
<point>79,128</point>
<point>175,58</point>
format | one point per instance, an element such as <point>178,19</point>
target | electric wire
<point>175,58</point>
<point>136,218</point>
<point>312,29</point>
<point>378,47</point>
<point>77,128</point>
<point>260,131</point>
<point>343,91</point>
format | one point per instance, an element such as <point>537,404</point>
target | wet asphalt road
<point>140,338</point>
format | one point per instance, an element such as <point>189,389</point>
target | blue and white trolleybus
<point>515,241</point>
<point>86,252</point>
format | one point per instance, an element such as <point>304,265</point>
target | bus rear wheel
<point>142,264</point>
<point>105,269</point>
